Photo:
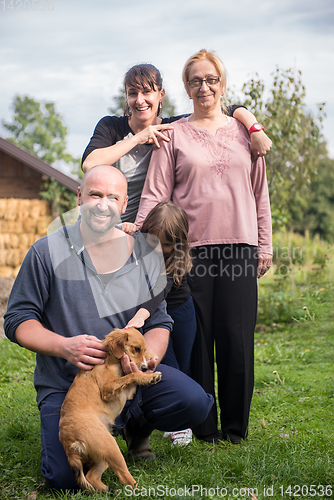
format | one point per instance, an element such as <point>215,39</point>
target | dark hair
<point>142,76</point>
<point>170,222</point>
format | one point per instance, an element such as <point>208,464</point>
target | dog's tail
<point>74,454</point>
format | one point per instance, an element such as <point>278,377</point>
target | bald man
<point>74,287</point>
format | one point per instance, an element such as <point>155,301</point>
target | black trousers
<point>224,288</point>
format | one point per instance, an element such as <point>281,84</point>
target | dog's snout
<point>144,366</point>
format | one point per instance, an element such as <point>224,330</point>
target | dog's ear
<point>115,342</point>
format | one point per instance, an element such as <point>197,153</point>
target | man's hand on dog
<point>85,351</point>
<point>129,367</point>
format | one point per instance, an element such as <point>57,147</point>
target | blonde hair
<point>201,55</point>
<point>170,222</point>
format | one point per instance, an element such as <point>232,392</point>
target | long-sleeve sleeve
<point>28,296</point>
<point>261,194</point>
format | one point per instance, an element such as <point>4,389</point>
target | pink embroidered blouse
<point>214,180</point>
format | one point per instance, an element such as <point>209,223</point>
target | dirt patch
<point>5,288</point>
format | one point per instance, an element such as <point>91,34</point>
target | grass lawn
<point>290,449</point>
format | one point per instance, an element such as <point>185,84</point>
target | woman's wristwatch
<point>256,127</point>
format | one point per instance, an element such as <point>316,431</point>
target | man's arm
<point>83,351</point>
<point>157,342</point>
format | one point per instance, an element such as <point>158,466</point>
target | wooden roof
<point>37,164</point>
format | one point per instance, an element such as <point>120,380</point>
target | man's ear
<point>125,204</point>
<point>79,197</point>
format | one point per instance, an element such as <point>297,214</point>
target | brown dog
<point>93,402</point>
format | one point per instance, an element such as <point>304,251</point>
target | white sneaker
<point>167,434</point>
<point>181,438</point>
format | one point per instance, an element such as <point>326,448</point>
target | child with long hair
<point>168,223</point>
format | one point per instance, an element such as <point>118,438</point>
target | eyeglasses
<point>197,82</point>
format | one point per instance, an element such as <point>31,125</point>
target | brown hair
<point>170,222</point>
<point>142,76</point>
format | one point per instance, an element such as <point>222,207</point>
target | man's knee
<point>197,404</point>
<point>178,402</point>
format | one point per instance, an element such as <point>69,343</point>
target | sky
<point>75,52</point>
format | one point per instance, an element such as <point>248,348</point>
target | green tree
<point>117,108</point>
<point>118,101</point>
<point>316,212</point>
<point>298,143</point>
<point>168,107</point>
<point>38,128</point>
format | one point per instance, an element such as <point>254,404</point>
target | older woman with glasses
<point>207,169</point>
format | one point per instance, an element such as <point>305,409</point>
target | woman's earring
<point>127,109</point>
<point>159,109</point>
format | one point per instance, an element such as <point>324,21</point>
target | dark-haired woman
<point>126,142</point>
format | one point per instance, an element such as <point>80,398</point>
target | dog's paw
<point>156,377</point>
